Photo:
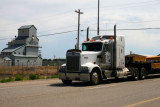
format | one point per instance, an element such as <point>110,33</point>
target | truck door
<point>106,56</point>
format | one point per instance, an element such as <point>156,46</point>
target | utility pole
<point>87,39</point>
<point>98,20</point>
<point>79,12</point>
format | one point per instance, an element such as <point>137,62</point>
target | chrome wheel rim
<point>136,74</point>
<point>95,78</point>
<point>143,73</point>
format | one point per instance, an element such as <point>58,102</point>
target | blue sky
<point>53,16</point>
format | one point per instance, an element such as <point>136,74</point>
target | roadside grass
<point>19,77</point>
<point>54,76</point>
<point>33,76</point>
<point>7,80</point>
<point>23,73</point>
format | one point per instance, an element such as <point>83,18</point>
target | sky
<point>55,16</point>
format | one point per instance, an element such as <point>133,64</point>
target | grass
<point>33,76</point>
<point>54,76</point>
<point>7,80</point>
<point>18,77</point>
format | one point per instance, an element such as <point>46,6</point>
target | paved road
<point>52,93</point>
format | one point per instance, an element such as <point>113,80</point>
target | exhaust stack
<point>115,52</point>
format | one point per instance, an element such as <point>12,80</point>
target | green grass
<point>54,76</point>
<point>33,77</point>
<point>18,77</point>
<point>7,80</point>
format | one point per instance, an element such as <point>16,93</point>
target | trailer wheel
<point>142,74</point>
<point>94,77</point>
<point>67,82</point>
<point>135,74</point>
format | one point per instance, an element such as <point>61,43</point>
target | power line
<point>126,29</point>
<point>58,28</point>
<point>64,12</point>
<point>57,33</point>
<point>156,28</point>
<point>141,29</point>
<point>132,4</point>
<point>140,21</point>
<point>45,35</point>
<point>43,17</point>
<point>126,22</point>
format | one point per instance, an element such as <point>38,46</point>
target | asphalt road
<point>52,93</point>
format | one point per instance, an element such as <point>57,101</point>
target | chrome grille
<point>73,62</point>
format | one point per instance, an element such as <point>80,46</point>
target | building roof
<point>21,38</point>
<point>25,56</point>
<point>12,48</point>
<point>7,59</point>
<point>27,27</point>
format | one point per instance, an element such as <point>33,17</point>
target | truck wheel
<point>94,78</point>
<point>135,75</point>
<point>142,74</point>
<point>67,82</point>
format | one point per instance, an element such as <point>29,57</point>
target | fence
<point>47,69</point>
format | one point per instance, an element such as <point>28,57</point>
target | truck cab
<point>100,58</point>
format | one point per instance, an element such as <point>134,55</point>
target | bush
<point>4,80</point>
<point>48,77</point>
<point>18,77</point>
<point>7,80</point>
<point>33,76</point>
<point>10,79</point>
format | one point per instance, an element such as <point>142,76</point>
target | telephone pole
<point>79,12</point>
<point>98,20</point>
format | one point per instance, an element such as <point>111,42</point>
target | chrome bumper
<point>74,76</point>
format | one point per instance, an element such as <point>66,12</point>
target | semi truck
<point>103,57</point>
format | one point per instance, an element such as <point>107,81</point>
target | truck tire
<point>94,77</point>
<point>135,75</point>
<point>67,82</point>
<point>142,74</point>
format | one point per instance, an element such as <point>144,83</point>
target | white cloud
<point>52,16</point>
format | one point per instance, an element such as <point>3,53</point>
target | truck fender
<point>94,66</point>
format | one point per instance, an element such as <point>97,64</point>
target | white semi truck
<point>102,57</point>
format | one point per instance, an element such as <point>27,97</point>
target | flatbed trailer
<point>143,64</point>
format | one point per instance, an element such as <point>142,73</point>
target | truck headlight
<point>84,69</point>
<point>62,69</point>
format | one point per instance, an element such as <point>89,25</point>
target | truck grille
<point>73,62</point>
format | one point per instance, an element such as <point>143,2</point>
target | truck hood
<point>89,57</point>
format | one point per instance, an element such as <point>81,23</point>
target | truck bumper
<point>74,76</point>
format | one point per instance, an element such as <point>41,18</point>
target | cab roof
<point>100,38</point>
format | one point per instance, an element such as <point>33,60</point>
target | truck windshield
<point>91,46</point>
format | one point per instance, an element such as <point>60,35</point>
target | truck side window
<point>84,47</point>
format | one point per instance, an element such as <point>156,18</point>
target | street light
<point>79,12</point>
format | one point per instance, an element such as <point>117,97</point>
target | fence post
<point>22,70</point>
<point>18,68</point>
<point>47,69</point>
